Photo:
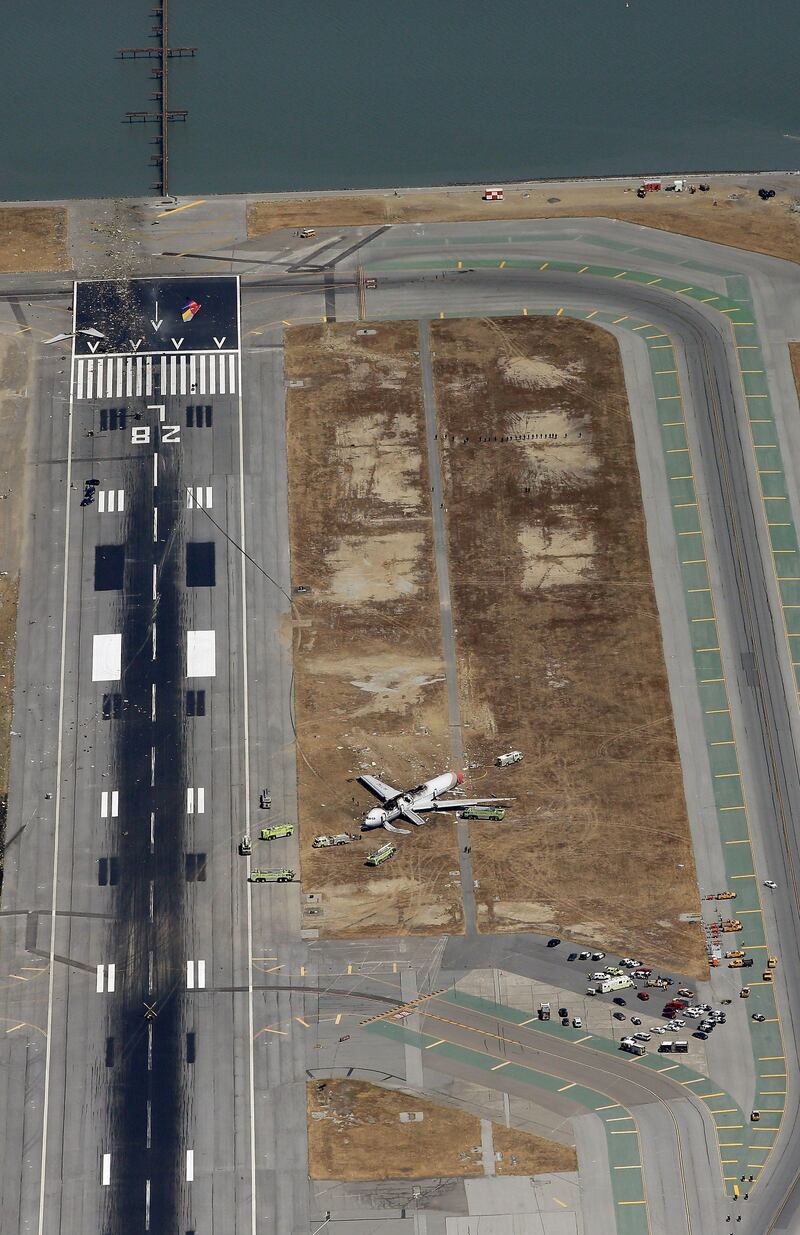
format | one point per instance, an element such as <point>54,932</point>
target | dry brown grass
<point>355,1133</point>
<point>33,238</point>
<point>745,223</point>
<point>794,355</point>
<point>369,680</point>
<point>559,641</point>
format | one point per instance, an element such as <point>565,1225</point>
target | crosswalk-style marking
<point>199,496</point>
<point>200,801</point>
<point>113,795</point>
<point>111,501</point>
<point>118,377</point>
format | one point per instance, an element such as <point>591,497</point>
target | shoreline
<point>633,179</point>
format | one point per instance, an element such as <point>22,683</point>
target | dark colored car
<point>563,1012</point>
<point>642,995</point>
<point>700,1034</point>
<point>573,956</point>
<point>553,943</point>
<point>620,1001</point>
<point>565,1020</point>
<point>636,1020</point>
<point>619,1016</point>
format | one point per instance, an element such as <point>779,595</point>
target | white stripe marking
<point>212,375</point>
<point>128,377</point>
<point>201,654</point>
<point>182,366</point>
<point>201,801</point>
<point>202,373</point>
<point>190,801</point>
<point>114,803</point>
<point>139,370</point>
<point>222,375</point>
<point>190,975</point>
<point>120,500</point>
<point>100,978</point>
<point>81,374</point>
<point>192,373</point>
<point>106,1176</point>
<point>189,1165</point>
<point>98,381</point>
<point>155,469</point>
<point>201,974</point>
<point>101,501</point>
<point>106,658</point>
<point>231,373</point>
<point>89,378</point>
<point>112,977</point>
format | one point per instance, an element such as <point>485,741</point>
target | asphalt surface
<point>99,1077</point>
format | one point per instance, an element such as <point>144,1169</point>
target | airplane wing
<point>378,788</point>
<point>412,816</point>
<point>463,803</point>
<point>403,831</point>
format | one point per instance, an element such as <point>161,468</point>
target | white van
<point>513,756</point>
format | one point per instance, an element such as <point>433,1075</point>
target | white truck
<point>513,756</point>
<point>634,1047</point>
<point>611,984</point>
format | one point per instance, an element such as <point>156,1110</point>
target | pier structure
<point>163,114</point>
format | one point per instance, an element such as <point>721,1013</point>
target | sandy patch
<point>555,556</point>
<point>375,568</point>
<point>537,374</point>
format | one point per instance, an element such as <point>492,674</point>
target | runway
<point>134,1096</point>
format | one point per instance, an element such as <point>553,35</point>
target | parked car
<point>563,1012</point>
<point>565,1020</point>
<point>619,1001</point>
<point>553,943</point>
<point>759,1016</point>
<point>636,1020</point>
<point>701,1034</point>
<point>642,995</point>
<point>573,956</point>
<point>598,956</point>
<point>619,1016</point>
<point>577,1023</point>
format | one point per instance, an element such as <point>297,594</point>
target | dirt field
<point>369,678</point>
<point>559,642</point>
<point>738,218</point>
<point>15,379</point>
<point>355,1132</point>
<point>33,238</point>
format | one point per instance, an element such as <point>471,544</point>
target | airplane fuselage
<point>420,799</point>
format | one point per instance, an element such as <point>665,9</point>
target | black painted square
<point>109,568</point>
<point>200,564</point>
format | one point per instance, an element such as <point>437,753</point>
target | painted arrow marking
<point>219,342</point>
<point>93,347</point>
<point>156,321</point>
<point>177,343</point>
<point>135,346</point>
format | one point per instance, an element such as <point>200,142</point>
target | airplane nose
<point>459,778</point>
